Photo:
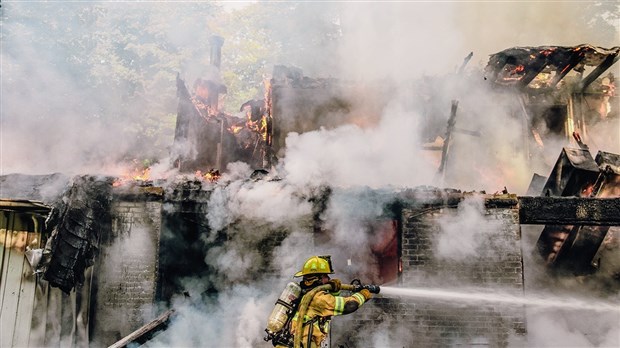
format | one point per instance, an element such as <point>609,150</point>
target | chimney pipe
<point>216,50</point>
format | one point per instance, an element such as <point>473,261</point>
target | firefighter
<point>324,305</point>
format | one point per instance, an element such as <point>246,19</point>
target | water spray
<point>478,296</point>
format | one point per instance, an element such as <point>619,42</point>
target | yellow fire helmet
<point>316,265</point>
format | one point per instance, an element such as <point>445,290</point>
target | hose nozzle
<point>372,288</point>
<point>357,285</point>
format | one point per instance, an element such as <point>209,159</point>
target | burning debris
<point>568,107</point>
<point>572,248</point>
<point>206,138</point>
<point>561,88</point>
<point>547,66</point>
<point>138,172</point>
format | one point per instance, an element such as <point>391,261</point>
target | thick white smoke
<point>465,235</point>
<point>351,156</point>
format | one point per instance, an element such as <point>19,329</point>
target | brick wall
<point>127,270</point>
<point>127,276</point>
<point>424,322</point>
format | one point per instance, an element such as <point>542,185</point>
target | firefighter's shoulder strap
<point>310,329</point>
<point>308,321</point>
<point>295,316</point>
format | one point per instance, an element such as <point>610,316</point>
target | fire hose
<point>305,302</point>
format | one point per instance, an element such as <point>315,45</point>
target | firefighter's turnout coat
<point>323,306</point>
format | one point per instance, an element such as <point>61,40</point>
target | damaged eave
<point>518,66</point>
<point>428,198</point>
<point>24,206</point>
<point>137,192</point>
<point>569,211</point>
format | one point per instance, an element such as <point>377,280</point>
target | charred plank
<point>569,211</point>
<point>146,332</point>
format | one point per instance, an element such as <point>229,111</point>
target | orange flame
<point>518,69</point>
<point>235,129</point>
<point>212,175</point>
<point>134,174</point>
<point>547,52</point>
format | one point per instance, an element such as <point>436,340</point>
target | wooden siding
<point>17,281</point>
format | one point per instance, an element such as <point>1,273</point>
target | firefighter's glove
<point>335,283</point>
<point>367,295</point>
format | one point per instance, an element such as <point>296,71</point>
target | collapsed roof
<point>518,66</point>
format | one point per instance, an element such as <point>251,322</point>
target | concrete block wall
<point>127,270</point>
<point>426,322</point>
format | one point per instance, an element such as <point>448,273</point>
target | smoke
<point>234,320</point>
<point>352,156</point>
<point>249,213</point>
<point>466,235</point>
<point>487,26</point>
<point>386,336</point>
<point>559,327</point>
<point>57,113</point>
<point>569,329</point>
<point>71,100</point>
<point>51,122</point>
<point>400,41</point>
<point>386,44</point>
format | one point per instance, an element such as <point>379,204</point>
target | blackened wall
<point>183,240</point>
<point>127,270</point>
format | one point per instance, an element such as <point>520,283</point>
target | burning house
<point>106,262</point>
<point>407,238</point>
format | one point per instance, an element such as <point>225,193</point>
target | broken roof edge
<point>615,50</point>
<point>518,66</point>
<point>24,205</point>
<point>580,158</point>
<point>608,161</point>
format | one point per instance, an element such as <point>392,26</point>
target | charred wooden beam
<point>534,68</point>
<point>569,211</point>
<point>576,57</point>
<point>144,333</point>
<point>448,138</point>
<point>574,170</point>
<point>465,61</point>
<point>600,69</point>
